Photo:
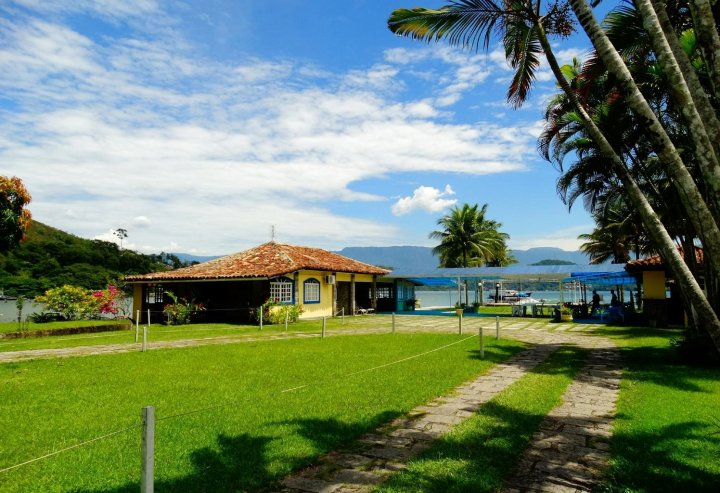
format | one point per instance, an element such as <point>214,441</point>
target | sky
<point>203,126</point>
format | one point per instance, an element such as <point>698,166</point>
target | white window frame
<point>311,291</point>
<point>282,290</point>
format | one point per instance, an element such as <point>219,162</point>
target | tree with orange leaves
<point>14,217</point>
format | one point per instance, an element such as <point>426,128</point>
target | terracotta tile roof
<point>655,262</point>
<point>267,260</point>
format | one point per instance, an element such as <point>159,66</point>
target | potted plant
<point>476,306</point>
<point>566,314</point>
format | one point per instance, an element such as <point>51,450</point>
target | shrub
<point>72,302</point>
<point>181,311</point>
<point>273,315</point>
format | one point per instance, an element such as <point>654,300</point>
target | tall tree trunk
<point>689,95</point>
<point>708,40</point>
<point>694,205</point>
<point>655,228</point>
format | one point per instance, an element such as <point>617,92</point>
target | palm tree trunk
<point>655,228</point>
<point>687,92</point>
<point>693,203</point>
<point>708,40</point>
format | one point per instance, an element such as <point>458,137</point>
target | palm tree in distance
<point>467,238</point>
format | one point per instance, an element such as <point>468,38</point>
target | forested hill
<point>50,257</point>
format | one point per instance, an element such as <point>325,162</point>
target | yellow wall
<point>654,285</point>
<point>325,307</point>
<point>137,299</point>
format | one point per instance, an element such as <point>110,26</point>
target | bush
<point>45,317</point>
<point>273,315</point>
<point>75,303</point>
<point>181,311</point>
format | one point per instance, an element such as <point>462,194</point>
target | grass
<point>374,323</point>
<point>667,432</point>
<point>259,436</point>
<point>479,453</point>
<point>6,327</point>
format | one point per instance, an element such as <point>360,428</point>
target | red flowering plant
<point>108,300</point>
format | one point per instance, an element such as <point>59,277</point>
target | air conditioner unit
<point>330,279</point>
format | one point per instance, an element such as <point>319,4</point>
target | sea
<point>447,298</point>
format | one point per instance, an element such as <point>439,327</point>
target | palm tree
<point>467,238</point>
<point>524,30</point>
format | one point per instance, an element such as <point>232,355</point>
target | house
<point>232,287</point>
<point>658,307</point>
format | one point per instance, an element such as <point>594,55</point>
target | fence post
<point>287,315</point>
<point>497,328</point>
<point>482,343</point>
<point>460,324</point>
<point>393,322</point>
<point>343,315</point>
<point>137,325</point>
<point>323,327</point>
<point>147,483</point>
<point>144,346</point>
<point>262,312</point>
<point>148,317</point>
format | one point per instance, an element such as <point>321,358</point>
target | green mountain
<point>49,257</point>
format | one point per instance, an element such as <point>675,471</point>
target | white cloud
<point>426,199</point>
<point>565,238</point>
<point>104,132</point>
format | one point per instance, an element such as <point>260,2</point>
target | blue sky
<point>196,126</point>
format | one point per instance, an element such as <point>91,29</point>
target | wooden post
<point>137,326</point>
<point>145,330</point>
<point>147,483</point>
<point>460,324</point>
<point>287,315</point>
<point>262,312</point>
<point>393,322</point>
<point>497,328</point>
<point>148,317</point>
<point>482,343</point>
<point>323,327</point>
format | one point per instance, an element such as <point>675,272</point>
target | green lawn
<point>479,453</point>
<point>667,434</point>
<point>6,327</point>
<point>258,436</point>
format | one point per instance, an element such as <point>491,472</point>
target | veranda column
<point>352,294</point>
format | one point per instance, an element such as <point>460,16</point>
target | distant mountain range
<point>419,258</point>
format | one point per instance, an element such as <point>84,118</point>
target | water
<point>449,298</point>
<point>8,310</point>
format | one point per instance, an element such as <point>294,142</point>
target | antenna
<point>272,232</point>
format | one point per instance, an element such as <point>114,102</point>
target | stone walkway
<point>568,453</point>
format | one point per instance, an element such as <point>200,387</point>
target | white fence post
<point>147,483</point>
<point>460,324</point>
<point>497,328</point>
<point>137,326</point>
<point>262,312</point>
<point>148,317</point>
<point>145,331</point>
<point>323,327</point>
<point>287,315</point>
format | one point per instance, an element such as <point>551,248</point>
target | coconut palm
<point>524,30</point>
<point>467,238</point>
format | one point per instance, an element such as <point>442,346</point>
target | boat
<point>508,296</point>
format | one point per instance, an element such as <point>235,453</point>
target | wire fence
<point>366,324</point>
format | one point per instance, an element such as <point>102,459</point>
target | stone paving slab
<point>389,448</point>
<point>570,451</point>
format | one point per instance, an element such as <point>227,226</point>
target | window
<point>281,290</point>
<point>311,291</point>
<point>154,294</point>
<point>384,293</point>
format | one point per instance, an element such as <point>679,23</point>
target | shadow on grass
<point>474,460</point>
<point>661,460</point>
<point>241,463</point>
